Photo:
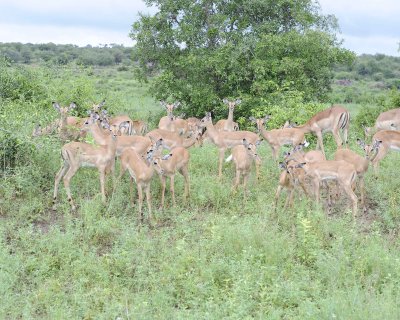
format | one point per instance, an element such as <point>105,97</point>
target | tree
<point>202,51</point>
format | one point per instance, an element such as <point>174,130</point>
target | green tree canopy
<point>202,51</point>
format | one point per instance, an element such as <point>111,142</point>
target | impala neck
<point>306,128</point>
<point>212,132</point>
<point>98,134</point>
<point>230,115</point>
<point>188,142</point>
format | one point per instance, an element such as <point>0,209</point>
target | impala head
<point>98,107</point>
<point>64,111</point>
<point>155,148</point>
<point>260,122</point>
<point>251,149</point>
<point>206,120</point>
<point>289,124</point>
<point>154,160</point>
<point>37,131</point>
<point>231,104</point>
<point>170,108</point>
<point>370,150</point>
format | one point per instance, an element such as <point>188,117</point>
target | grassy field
<point>211,257</point>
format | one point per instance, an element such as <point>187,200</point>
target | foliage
<point>20,83</point>
<point>203,52</point>
<point>106,55</point>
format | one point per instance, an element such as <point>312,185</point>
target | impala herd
<point>141,152</point>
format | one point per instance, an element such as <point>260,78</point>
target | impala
<point>382,142</point>
<point>360,165</point>
<point>173,139</point>
<point>291,176</point>
<point>67,126</point>
<point>278,137</point>
<point>176,160</point>
<point>115,121</point>
<point>170,122</point>
<point>79,154</point>
<point>388,120</point>
<point>243,156</point>
<point>225,139</point>
<point>139,143</point>
<point>341,171</point>
<point>228,124</point>
<point>141,171</point>
<point>333,120</point>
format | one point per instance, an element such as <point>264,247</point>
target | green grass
<point>215,256</point>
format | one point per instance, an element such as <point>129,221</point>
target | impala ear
<point>245,143</point>
<point>72,106</point>
<point>56,106</point>
<point>167,156</point>
<point>282,165</point>
<point>361,143</point>
<point>300,165</point>
<point>252,119</point>
<point>177,104</point>
<point>101,104</point>
<point>238,101</point>
<point>258,142</point>
<point>225,101</point>
<point>163,103</point>
<point>267,117</point>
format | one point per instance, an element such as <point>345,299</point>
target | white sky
<point>367,26</point>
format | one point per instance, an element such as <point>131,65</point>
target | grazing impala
<point>333,120</point>
<point>228,124</point>
<point>388,120</point>
<point>79,154</point>
<point>382,142</point>
<point>225,140</point>
<point>278,137</point>
<point>243,156</point>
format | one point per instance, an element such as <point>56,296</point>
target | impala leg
<point>148,199</point>
<point>275,150</point>
<point>237,180</point>
<point>320,142</point>
<point>163,184</point>
<point>258,167</point>
<point>290,198</point>
<point>349,191</point>
<point>221,159</point>
<point>277,193</point>
<point>185,174</point>
<point>336,135</point>
<point>379,156</point>
<point>132,191</point>
<point>245,180</point>
<point>140,202</point>
<point>362,192</point>
<point>172,188</point>
<point>67,179</point>
<point>102,184</point>
<point>59,175</point>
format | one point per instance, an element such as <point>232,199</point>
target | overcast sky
<point>367,26</point>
